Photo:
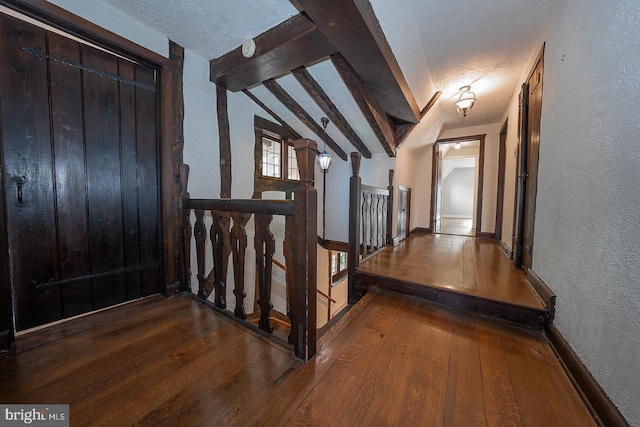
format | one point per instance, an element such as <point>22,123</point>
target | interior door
<point>80,176</point>
<point>404,197</point>
<point>533,148</point>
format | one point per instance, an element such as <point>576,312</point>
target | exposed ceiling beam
<point>383,127</point>
<point>302,115</point>
<point>352,27</point>
<point>291,44</point>
<point>402,131</point>
<point>272,114</point>
<point>328,107</point>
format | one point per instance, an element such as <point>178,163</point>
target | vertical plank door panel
<point>68,147</point>
<point>148,199</point>
<point>28,177</point>
<point>129,179</point>
<point>103,177</point>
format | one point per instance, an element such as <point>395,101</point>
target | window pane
<point>271,157</point>
<point>343,261</point>
<point>334,264</point>
<point>293,172</point>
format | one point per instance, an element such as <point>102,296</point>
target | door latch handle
<point>19,181</point>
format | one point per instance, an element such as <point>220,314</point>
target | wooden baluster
<point>288,257</point>
<point>185,224</point>
<point>366,226</point>
<point>238,248</point>
<point>200,233</point>
<point>303,304</point>
<point>389,227</point>
<point>265,248</point>
<point>355,215</point>
<point>219,269</point>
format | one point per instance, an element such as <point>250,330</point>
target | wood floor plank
<point>400,361</point>
<point>500,402</point>
<point>464,405</point>
<point>544,392</point>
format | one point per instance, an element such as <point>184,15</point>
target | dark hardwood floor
<point>395,360</point>
<point>465,272</point>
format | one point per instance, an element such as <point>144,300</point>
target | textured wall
<point>587,224</point>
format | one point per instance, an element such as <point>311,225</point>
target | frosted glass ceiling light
<point>324,159</point>
<point>457,146</point>
<point>466,101</point>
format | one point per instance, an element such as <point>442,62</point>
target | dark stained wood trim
<point>484,235</point>
<point>603,410</point>
<point>432,210</point>
<point>284,124</point>
<point>504,248</point>
<point>353,257</point>
<point>7,337</point>
<point>353,28</point>
<point>225,141</point>
<point>502,157</point>
<point>288,101</point>
<point>381,124</point>
<point>333,245</point>
<point>422,230</point>
<point>291,44</point>
<point>263,123</point>
<point>176,55</point>
<point>545,294</point>
<point>66,21</point>
<point>321,98</point>
<point>520,315</point>
<point>403,131</point>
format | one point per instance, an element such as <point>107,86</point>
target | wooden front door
<point>78,128</point>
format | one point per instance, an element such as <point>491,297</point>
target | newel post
<point>390,210</point>
<point>305,254</point>
<point>353,259</point>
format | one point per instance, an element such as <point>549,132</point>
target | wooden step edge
<point>518,315</point>
<point>339,323</point>
<point>543,293</point>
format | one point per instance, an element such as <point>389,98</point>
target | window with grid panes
<point>338,265</point>
<point>278,157</point>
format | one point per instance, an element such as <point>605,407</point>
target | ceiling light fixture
<point>324,159</point>
<point>466,100</point>
<point>457,146</point>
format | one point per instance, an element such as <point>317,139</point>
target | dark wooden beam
<point>225,142</point>
<point>272,114</point>
<point>292,44</point>
<point>381,124</point>
<point>303,116</point>
<point>402,131</point>
<point>352,27</point>
<point>328,107</point>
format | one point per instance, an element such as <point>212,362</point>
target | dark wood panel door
<point>533,148</point>
<point>80,155</point>
<point>404,206</point>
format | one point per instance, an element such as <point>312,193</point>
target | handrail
<point>279,264</point>
<point>275,207</point>
<point>326,296</point>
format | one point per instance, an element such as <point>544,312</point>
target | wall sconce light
<point>457,146</point>
<point>466,101</point>
<point>324,159</point>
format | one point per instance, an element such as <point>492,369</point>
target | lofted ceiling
<point>436,45</point>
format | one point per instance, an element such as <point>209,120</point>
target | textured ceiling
<point>439,45</point>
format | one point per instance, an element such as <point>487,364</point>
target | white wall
<point>587,217</point>
<point>458,193</point>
